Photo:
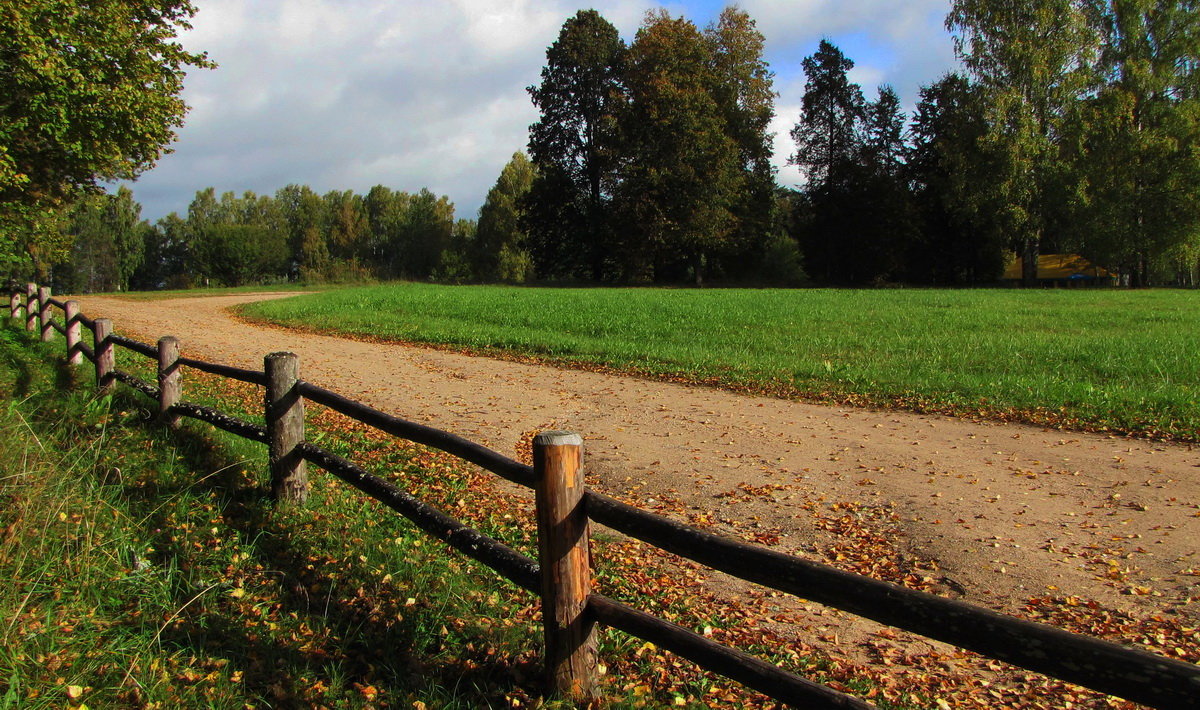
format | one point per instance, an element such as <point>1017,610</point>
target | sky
<point>347,94</point>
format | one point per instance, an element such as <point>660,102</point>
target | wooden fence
<point>564,510</point>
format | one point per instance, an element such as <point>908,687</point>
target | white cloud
<point>345,94</point>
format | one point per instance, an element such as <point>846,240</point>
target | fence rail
<point>562,576</point>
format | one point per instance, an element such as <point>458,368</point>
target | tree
<point>386,212</point>
<point>958,240</point>
<point>837,237</point>
<point>236,239</point>
<point>108,236</point>
<point>744,91</point>
<point>886,222</point>
<point>164,263</point>
<point>1140,136</point>
<point>500,249</point>
<point>89,91</point>
<point>573,147</point>
<point>827,134</point>
<point>884,133</point>
<point>305,214</point>
<point>349,229</point>
<point>1033,61</point>
<point>428,228</point>
<point>455,263</point>
<point>682,172</point>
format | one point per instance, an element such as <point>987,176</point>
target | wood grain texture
<point>170,380</point>
<point>566,565</point>
<point>74,356</point>
<point>31,307</point>
<point>285,427</point>
<point>47,333</point>
<point>103,351</point>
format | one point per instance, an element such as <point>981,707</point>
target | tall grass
<point>1104,359</point>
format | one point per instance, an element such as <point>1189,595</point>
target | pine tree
<point>573,147</point>
<point>827,136</point>
<point>830,152</point>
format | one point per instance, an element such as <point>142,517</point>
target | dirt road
<point>991,513</point>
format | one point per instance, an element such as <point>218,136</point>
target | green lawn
<point>1120,360</point>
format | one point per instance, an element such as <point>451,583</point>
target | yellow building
<point>1063,270</point>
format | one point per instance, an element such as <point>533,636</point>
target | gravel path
<point>991,513</point>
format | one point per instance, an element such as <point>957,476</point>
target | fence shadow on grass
<point>369,639</point>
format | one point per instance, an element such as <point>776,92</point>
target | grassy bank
<point>146,568</point>
<point>1115,360</point>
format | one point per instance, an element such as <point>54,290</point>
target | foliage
<point>108,238</point>
<point>1033,63</point>
<point>500,249</point>
<point>90,91</point>
<point>1138,140</point>
<point>574,148</point>
<point>827,136</point>
<point>683,173</point>
<point>959,241</point>
<point>653,160</point>
<point>1094,359</point>
<point>744,92</point>
<point>851,153</point>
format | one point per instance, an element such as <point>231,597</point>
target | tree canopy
<point>89,92</point>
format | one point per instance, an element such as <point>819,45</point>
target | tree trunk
<point>1029,262</point>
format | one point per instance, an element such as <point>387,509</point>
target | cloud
<point>346,94</point>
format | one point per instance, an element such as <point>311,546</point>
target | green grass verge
<point>1123,361</point>
<point>144,568</point>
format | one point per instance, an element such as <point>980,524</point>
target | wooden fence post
<point>170,380</point>
<point>44,313</point>
<point>285,428</point>
<point>566,565</point>
<point>14,304</point>
<point>31,306</point>
<point>74,354</point>
<point>103,348</point>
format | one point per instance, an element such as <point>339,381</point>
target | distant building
<point>1062,270</point>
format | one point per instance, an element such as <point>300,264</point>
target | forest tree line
<point>1075,127</point>
<point>230,240</point>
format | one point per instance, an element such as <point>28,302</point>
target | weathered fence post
<point>44,313</point>
<point>31,306</point>
<point>170,383</point>
<point>14,304</point>
<point>285,428</point>
<point>566,565</point>
<point>103,348</point>
<point>74,354</point>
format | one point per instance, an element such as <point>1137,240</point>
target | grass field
<point>1124,361</point>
